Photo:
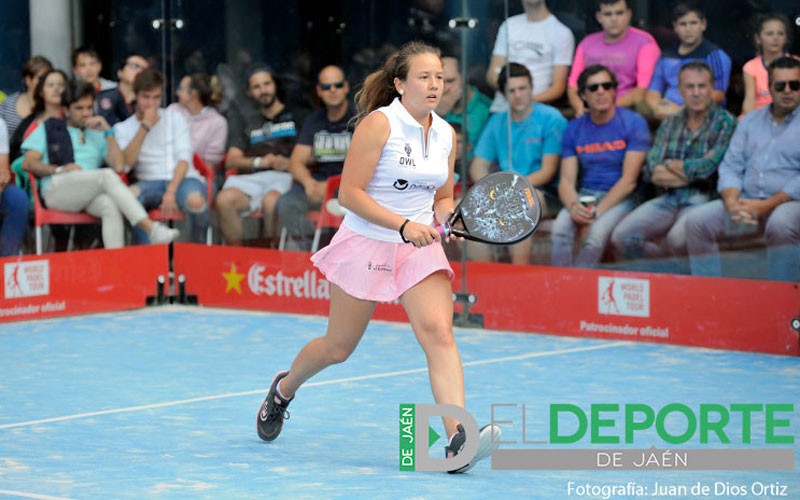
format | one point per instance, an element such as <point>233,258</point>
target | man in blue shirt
<point>759,182</point>
<point>533,149</point>
<point>663,94</point>
<point>603,153</point>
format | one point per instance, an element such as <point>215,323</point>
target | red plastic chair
<point>206,171</point>
<point>322,218</point>
<point>43,216</point>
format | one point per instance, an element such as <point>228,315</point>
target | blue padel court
<point>161,403</point>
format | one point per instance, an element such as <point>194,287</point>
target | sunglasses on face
<point>328,86</point>
<point>593,87</point>
<point>794,85</point>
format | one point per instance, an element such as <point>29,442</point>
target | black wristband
<point>403,226</point>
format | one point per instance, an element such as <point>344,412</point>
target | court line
<point>23,494</point>
<point>179,402</point>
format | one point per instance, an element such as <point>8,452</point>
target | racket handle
<point>444,229</point>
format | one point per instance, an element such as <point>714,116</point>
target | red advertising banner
<point>721,313</point>
<point>68,283</point>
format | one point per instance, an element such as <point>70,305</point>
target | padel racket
<point>500,209</point>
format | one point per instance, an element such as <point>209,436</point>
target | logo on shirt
<point>402,185</point>
<point>407,161</point>
<point>602,147</point>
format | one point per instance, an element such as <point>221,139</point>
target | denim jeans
<point>150,194</point>
<point>13,219</point>
<point>711,222</point>
<point>664,215</point>
<point>594,243</point>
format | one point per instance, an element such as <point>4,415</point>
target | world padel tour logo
<point>623,297</point>
<point>26,279</point>
<point>634,436</point>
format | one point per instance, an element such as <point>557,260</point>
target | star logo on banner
<point>233,280</point>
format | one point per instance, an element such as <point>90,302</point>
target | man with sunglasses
<point>759,184</point>
<point>681,166</point>
<point>602,155</point>
<point>319,153</point>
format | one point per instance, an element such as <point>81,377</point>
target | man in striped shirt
<point>682,165</point>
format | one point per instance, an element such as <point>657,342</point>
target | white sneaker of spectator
<point>161,233</point>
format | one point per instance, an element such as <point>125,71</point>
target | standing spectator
<point>20,104</point>
<point>664,97</point>
<point>116,104</point>
<point>198,95</point>
<point>771,39</point>
<point>68,158</point>
<point>157,146</point>
<point>319,153</point>
<point>605,149</point>
<point>539,41</point>
<point>629,53</point>
<point>13,204</point>
<point>260,141</point>
<point>682,165</point>
<point>536,130</point>
<point>451,105</point>
<point>759,181</point>
<point>86,65</point>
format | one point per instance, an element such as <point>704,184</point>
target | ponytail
<point>378,89</point>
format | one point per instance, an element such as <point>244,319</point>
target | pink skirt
<point>376,270</point>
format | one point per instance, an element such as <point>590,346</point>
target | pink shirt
<point>632,59</point>
<point>755,68</point>
<point>209,131</point>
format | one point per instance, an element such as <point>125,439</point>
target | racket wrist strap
<point>402,227</point>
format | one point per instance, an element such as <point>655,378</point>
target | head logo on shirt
<point>602,147</point>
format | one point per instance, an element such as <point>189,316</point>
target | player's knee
<point>338,354</point>
<point>439,334</point>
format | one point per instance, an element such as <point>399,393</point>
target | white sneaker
<point>162,234</point>
<point>333,207</point>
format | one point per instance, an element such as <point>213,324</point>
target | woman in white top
<point>396,183</point>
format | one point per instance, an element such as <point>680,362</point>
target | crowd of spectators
<point>630,145</point>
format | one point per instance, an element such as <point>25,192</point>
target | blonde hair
<point>378,89</point>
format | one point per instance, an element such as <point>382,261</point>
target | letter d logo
<point>423,459</point>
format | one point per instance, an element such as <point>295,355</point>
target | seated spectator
<point>689,22</point>
<point>198,94</point>
<point>260,140</point>
<point>771,39</point>
<point>536,130</point>
<point>47,103</point>
<point>68,156</point>
<point>13,204</point>
<point>116,104</point>
<point>19,105</point>
<point>451,105</point>
<point>86,65</point>
<point>682,165</point>
<point>603,153</point>
<point>540,42</point>
<point>629,53</point>
<point>157,146</point>
<point>759,181</point>
<point>319,153</point>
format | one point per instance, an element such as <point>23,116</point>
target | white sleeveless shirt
<point>408,172</point>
